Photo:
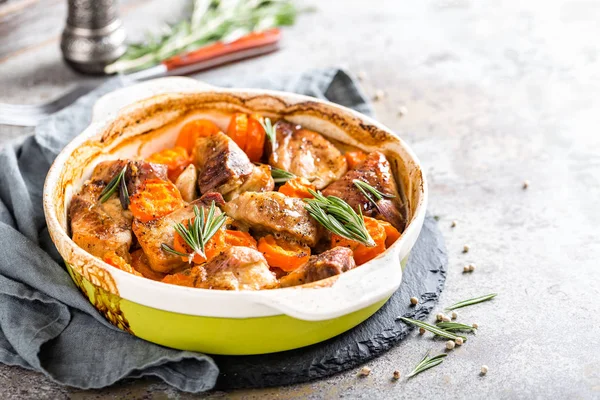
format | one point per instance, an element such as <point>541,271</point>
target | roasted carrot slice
<point>283,254</point>
<point>237,129</point>
<point>255,138</point>
<point>116,260</point>
<point>297,187</point>
<point>155,198</point>
<point>189,277</point>
<point>139,262</point>
<point>176,160</point>
<point>391,233</point>
<point>355,158</point>
<point>362,253</point>
<point>239,238</point>
<point>213,247</point>
<point>193,130</point>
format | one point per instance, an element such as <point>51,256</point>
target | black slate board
<point>424,277</point>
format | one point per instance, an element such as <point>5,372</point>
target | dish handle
<point>353,291</point>
<point>111,103</point>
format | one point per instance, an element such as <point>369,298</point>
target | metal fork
<point>31,115</point>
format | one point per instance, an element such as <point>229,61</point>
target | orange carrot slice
<point>283,254</point>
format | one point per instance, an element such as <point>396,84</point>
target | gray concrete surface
<point>496,94</point>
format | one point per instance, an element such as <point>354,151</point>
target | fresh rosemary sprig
<point>117,183</point>
<point>470,302</point>
<point>197,232</point>
<point>210,21</point>
<point>370,192</point>
<point>280,175</point>
<point>269,129</point>
<point>432,328</point>
<point>337,216</point>
<point>454,326</point>
<point>427,363</point>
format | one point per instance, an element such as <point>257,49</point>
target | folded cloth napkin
<point>46,324</point>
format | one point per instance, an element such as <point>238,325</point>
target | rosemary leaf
<point>454,326</point>
<point>338,217</point>
<point>470,302</point>
<point>280,175</point>
<point>269,129</point>
<point>123,192</point>
<point>427,363</point>
<point>433,329</point>
<point>169,249</point>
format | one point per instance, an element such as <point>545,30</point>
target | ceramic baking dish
<point>136,121</point>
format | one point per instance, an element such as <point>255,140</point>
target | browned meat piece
<point>321,266</point>
<point>375,171</point>
<point>274,212</point>
<point>237,268</point>
<point>207,199</point>
<point>151,235</point>
<point>307,154</point>
<point>186,183</point>
<point>260,180</point>
<point>222,165</point>
<point>100,227</point>
<point>140,171</point>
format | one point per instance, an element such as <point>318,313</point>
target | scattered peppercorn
<point>414,301</point>
<point>466,268</point>
<point>379,94</point>
<point>525,184</point>
<point>466,248</point>
<point>402,111</point>
<point>450,345</point>
<point>475,326</point>
<point>453,224</point>
<point>454,315</point>
<point>422,331</point>
<point>361,75</point>
<point>364,371</point>
<point>439,316</point>
<point>445,319</point>
<point>458,341</point>
<point>484,369</point>
<point>396,375</point>
<point>471,267</point>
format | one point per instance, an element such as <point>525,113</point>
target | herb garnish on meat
<point>197,232</point>
<point>117,182</point>
<point>338,217</point>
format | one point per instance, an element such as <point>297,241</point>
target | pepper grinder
<point>93,36</point>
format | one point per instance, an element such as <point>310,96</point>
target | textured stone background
<point>496,94</point>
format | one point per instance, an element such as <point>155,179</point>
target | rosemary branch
<point>210,21</point>
<point>370,192</point>
<point>117,183</point>
<point>280,175</point>
<point>197,232</point>
<point>427,363</point>
<point>454,326</point>
<point>433,329</point>
<point>470,302</point>
<point>338,217</point>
